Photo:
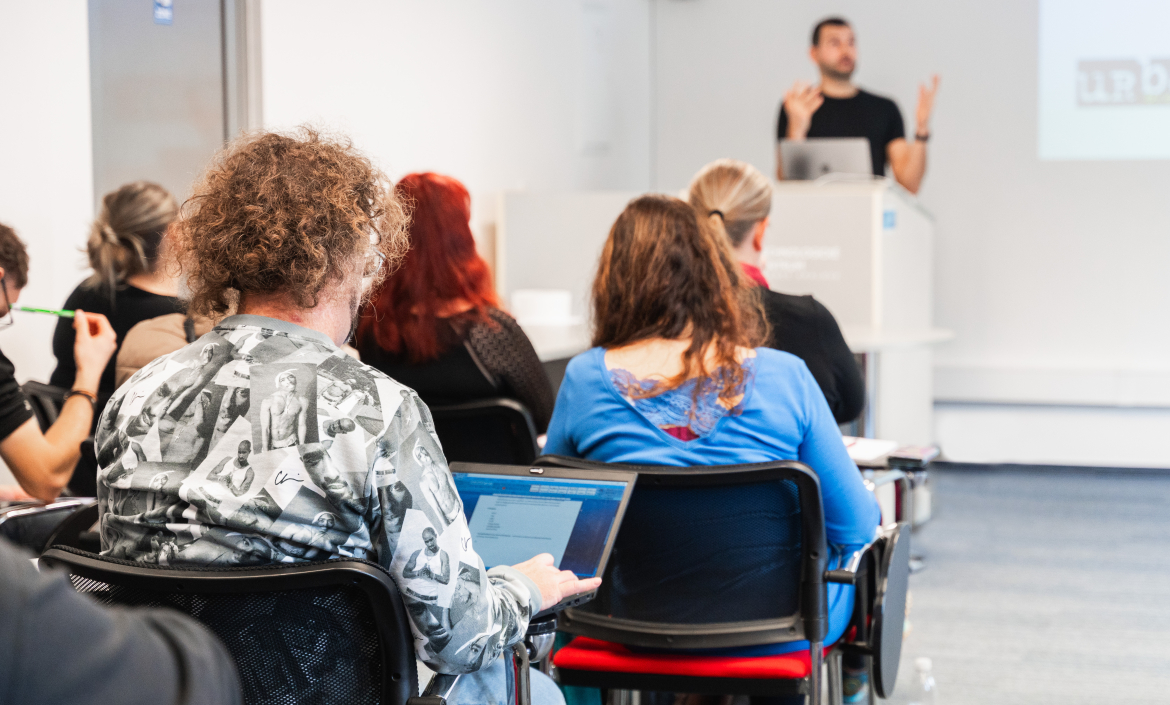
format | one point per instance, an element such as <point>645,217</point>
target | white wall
<point>46,172</point>
<point>509,94</point>
<point>1049,272</point>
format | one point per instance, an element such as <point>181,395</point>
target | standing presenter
<point>838,108</point>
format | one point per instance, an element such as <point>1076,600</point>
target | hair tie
<point>718,213</point>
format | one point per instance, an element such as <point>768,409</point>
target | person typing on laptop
<point>288,233</point>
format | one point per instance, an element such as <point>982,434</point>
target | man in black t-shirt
<point>43,462</point>
<point>837,108</point>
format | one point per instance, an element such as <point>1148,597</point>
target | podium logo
<point>1123,82</point>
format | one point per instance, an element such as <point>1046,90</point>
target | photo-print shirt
<point>263,442</point>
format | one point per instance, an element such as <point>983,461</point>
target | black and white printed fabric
<point>263,442</point>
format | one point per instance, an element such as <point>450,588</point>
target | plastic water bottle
<point>925,691</point>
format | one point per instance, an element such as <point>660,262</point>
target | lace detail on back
<point>680,412</point>
<point>508,355</point>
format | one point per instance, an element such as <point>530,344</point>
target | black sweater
<point>801,325</point>
<point>481,360</point>
<point>130,306</point>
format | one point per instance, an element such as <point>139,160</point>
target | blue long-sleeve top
<point>783,416</point>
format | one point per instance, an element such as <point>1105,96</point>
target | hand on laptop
<point>555,585</point>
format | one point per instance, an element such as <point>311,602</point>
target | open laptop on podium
<point>816,157</point>
<point>518,511</point>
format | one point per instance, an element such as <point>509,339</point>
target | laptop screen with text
<point>514,518</point>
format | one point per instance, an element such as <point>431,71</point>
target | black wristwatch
<point>921,138</point>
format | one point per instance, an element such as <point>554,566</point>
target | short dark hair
<point>13,256</point>
<point>827,22</point>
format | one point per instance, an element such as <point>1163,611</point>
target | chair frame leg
<point>816,657</point>
<point>836,678</point>
<point>871,697</point>
<point>522,688</point>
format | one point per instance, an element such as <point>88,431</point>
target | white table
<point>898,368</point>
<point>558,342</point>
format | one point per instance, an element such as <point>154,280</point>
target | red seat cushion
<point>585,654</point>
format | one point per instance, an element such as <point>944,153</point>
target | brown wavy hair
<point>663,275</point>
<point>285,214</point>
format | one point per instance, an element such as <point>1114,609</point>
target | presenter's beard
<point>834,74</point>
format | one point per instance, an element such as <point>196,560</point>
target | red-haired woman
<point>435,324</point>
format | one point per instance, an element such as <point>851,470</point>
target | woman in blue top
<point>675,378</point>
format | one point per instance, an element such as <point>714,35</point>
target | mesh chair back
<point>676,577</point>
<point>701,555</point>
<point>79,530</point>
<point>46,401</point>
<point>497,431</point>
<point>31,525</point>
<point>329,639</point>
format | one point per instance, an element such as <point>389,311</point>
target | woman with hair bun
<point>130,281</point>
<point>734,199</point>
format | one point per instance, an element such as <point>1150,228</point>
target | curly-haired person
<point>281,241</point>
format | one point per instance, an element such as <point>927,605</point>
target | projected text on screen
<point>1104,78</point>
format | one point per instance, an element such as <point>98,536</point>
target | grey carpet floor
<point>1043,587</point>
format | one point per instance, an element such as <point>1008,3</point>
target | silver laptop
<point>819,156</point>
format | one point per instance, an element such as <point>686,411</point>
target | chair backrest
<point>79,530</point>
<point>664,587</point>
<point>330,631</point>
<point>46,401</point>
<point>494,430</point>
<point>31,525</point>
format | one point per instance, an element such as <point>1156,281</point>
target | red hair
<point>441,266</point>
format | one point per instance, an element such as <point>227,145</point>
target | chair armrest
<point>847,574</point>
<point>442,684</point>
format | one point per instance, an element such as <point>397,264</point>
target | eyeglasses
<point>7,319</point>
<point>374,263</point>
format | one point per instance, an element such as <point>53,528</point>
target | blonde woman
<point>734,199</point>
<point>130,281</point>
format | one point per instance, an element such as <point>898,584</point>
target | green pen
<point>51,312</point>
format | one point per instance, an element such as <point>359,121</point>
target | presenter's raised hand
<point>800,102</point>
<point>926,104</point>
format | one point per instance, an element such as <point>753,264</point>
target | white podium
<point>865,250</point>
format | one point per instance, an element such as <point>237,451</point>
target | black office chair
<point>494,430</point>
<point>32,524</point>
<point>79,530</point>
<point>600,656</point>
<point>323,632</point>
<point>46,402</point>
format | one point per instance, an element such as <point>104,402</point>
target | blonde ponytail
<point>125,238</point>
<point>730,197</point>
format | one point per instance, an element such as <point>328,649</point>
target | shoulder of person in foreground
<point>58,646</point>
<point>463,615</point>
<point>151,339</point>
